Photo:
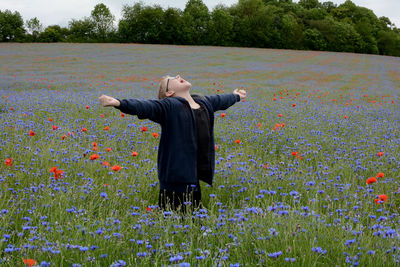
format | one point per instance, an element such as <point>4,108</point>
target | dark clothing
<point>203,153</point>
<point>174,193</point>
<point>177,151</point>
<point>203,140</point>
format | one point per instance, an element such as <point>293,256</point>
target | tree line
<point>282,24</point>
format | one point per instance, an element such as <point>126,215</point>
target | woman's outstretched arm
<point>224,101</point>
<point>151,109</point>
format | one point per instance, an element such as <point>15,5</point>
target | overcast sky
<point>59,12</point>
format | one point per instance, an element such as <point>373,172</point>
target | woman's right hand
<point>107,101</point>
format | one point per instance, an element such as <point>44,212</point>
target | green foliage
<point>103,21</point>
<point>220,26</point>
<point>389,43</point>
<point>196,17</point>
<point>11,26</point>
<point>308,4</point>
<point>81,30</point>
<point>35,27</point>
<point>314,40</point>
<point>53,33</point>
<point>308,24</point>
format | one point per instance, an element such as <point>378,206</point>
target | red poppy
<point>58,174</point>
<point>8,162</point>
<point>216,147</point>
<point>380,154</point>
<point>294,104</point>
<point>106,128</point>
<point>380,175</point>
<point>108,149</point>
<point>237,141</point>
<point>31,133</point>
<point>144,129</point>
<point>50,119</point>
<point>94,144</point>
<point>105,163</point>
<point>148,209</point>
<point>371,180</point>
<point>381,198</point>
<point>63,137</point>
<point>258,125</point>
<point>155,135</point>
<point>102,115</point>
<point>345,116</point>
<point>295,153</point>
<point>115,168</point>
<point>84,130</point>
<point>223,115</point>
<point>30,262</point>
<point>134,153</point>
<point>280,115</point>
<point>94,148</point>
<point>122,115</point>
<point>94,156</point>
<point>87,107</point>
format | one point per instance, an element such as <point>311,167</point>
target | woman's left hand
<point>241,93</point>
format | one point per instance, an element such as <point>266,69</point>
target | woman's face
<point>177,84</point>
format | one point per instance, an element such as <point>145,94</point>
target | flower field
<point>307,165</point>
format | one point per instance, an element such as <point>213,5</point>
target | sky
<point>60,12</point>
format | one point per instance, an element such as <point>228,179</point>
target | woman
<point>186,152</point>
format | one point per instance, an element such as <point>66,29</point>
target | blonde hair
<point>162,88</point>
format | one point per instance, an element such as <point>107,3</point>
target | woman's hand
<point>106,101</point>
<point>241,93</point>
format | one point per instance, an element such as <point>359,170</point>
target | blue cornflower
<point>118,263</point>
<point>349,242</point>
<point>84,248</point>
<point>169,245</point>
<point>275,254</point>
<point>141,254</point>
<point>319,250</point>
<point>175,258</point>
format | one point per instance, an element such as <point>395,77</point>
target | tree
<point>386,23</point>
<point>308,4</point>
<point>35,27</point>
<point>290,31</point>
<point>53,33</point>
<point>171,27</point>
<point>142,23</point>
<point>149,24</point>
<point>389,43</point>
<point>128,29</point>
<point>103,21</point>
<point>339,36</point>
<point>220,26</point>
<point>81,30</point>
<point>253,24</point>
<point>196,19</point>
<point>328,6</point>
<point>313,40</point>
<point>11,26</point>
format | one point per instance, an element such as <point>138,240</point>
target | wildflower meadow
<point>307,165</point>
